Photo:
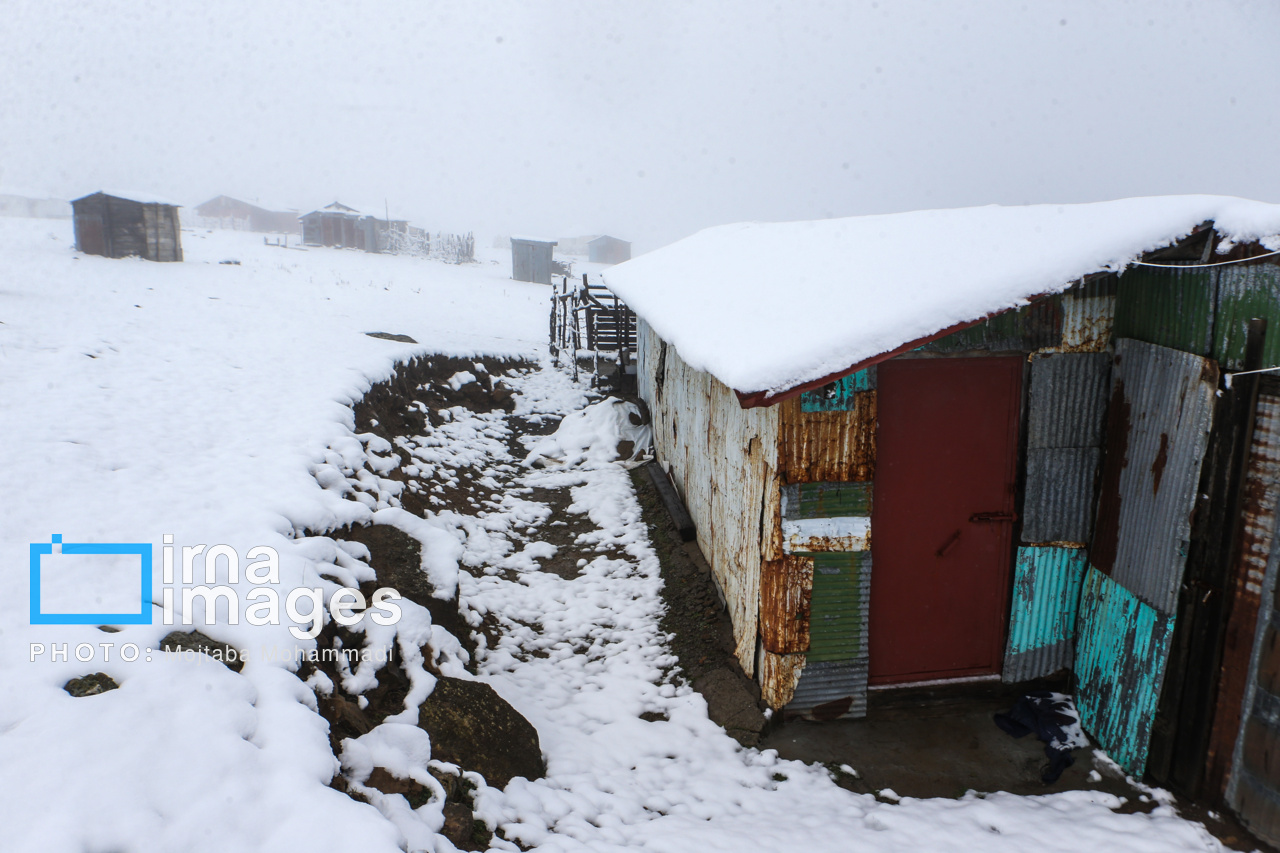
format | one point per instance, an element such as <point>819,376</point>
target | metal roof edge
<point>756,399</point>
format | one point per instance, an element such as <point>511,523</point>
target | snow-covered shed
<point>531,259</point>
<point>227,212</point>
<point>344,227</point>
<point>118,226</point>
<point>608,250</point>
<point>1024,419</point>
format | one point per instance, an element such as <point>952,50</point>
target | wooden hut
<point>119,227</point>
<point>344,227</point>
<point>992,443</point>
<point>531,259</point>
<point>608,250</point>
<point>226,212</point>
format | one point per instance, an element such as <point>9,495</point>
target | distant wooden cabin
<point>608,250</point>
<point>226,212</point>
<point>531,259</point>
<point>345,227</point>
<point>119,227</point>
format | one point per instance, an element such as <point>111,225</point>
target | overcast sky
<point>641,119</point>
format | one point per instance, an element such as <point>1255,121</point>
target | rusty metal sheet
<point>1170,307</point>
<point>1254,793</point>
<point>1243,293</point>
<point>1260,497</point>
<point>1120,661</point>
<point>1161,409</point>
<point>845,533</point>
<point>779,675</point>
<point>1042,623</point>
<point>1255,799</point>
<point>1068,403</point>
<point>1088,315</point>
<point>831,690</point>
<point>827,446</point>
<point>785,589</point>
<point>826,517</point>
<point>723,460</point>
<point>1057,505</point>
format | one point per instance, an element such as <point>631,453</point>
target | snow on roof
<point>134,195</point>
<point>770,306</point>
<point>528,239</point>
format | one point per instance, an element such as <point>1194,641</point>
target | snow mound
<point>592,435</point>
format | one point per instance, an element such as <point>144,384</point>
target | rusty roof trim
<point>766,398</point>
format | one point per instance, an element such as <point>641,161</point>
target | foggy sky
<point>644,120</point>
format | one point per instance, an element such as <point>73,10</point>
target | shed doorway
<point>942,516</point>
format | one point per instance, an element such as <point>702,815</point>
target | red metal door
<point>942,516</point>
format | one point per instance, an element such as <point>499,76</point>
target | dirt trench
<point>470,725</point>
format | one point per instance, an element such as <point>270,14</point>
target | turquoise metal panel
<point>838,396</point>
<point>1120,663</point>
<point>1042,624</point>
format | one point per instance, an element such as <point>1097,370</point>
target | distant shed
<point>608,250</point>
<point>332,225</point>
<point>346,228</point>
<point>226,212</point>
<point>119,227</point>
<point>531,259</point>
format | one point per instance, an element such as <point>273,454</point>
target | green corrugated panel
<point>1243,294</point>
<point>826,500</point>
<point>838,396</point>
<point>1024,329</point>
<point>838,607</point>
<point>1170,307</point>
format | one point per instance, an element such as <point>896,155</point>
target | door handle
<point>992,517</point>
<point>951,541</point>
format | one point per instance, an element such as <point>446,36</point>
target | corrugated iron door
<point>942,516</point>
<point>1158,425</point>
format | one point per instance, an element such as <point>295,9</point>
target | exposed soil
<point>701,634</point>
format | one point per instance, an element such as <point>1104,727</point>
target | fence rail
<point>592,315</point>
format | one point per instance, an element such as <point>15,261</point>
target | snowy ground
<point>205,400</point>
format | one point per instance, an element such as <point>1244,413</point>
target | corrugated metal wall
<point>1067,412</point>
<point>1245,292</point>
<point>826,460</point>
<point>1158,423</point>
<point>1254,785</point>
<point>1067,408</point>
<point>1169,307</point>
<point>1123,645</point>
<point>723,459</point>
<point>1042,621</point>
<point>1161,412</point>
